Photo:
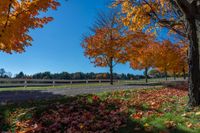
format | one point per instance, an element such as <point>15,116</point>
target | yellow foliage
<point>145,14</point>
<point>17,18</point>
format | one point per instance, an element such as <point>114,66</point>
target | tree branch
<point>183,5</point>
<point>7,18</point>
<point>165,23</point>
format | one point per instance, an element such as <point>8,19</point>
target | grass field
<point>53,87</point>
<point>147,110</point>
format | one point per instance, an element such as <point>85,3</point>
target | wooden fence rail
<point>45,82</point>
<point>53,82</point>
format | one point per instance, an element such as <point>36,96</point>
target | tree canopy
<point>17,17</point>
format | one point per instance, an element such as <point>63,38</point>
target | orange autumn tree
<point>182,17</point>
<point>179,64</point>
<point>17,17</point>
<point>139,47</point>
<point>165,58</point>
<point>176,63</point>
<point>105,49</point>
<point>184,58</point>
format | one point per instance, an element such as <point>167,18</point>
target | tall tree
<point>105,46</point>
<point>165,56</point>
<point>140,51</point>
<point>17,17</point>
<point>179,63</point>
<point>180,16</point>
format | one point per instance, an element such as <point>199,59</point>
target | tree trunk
<point>191,14</point>
<point>146,76</point>
<point>194,73</point>
<point>165,73</point>
<point>111,71</point>
<point>184,76</point>
<point>174,75</point>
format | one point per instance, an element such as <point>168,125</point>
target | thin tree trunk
<point>184,76</point>
<point>165,73</point>
<point>194,73</point>
<point>174,75</point>
<point>111,71</point>
<point>146,76</point>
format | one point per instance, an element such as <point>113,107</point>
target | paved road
<point>91,90</point>
<point>18,96</point>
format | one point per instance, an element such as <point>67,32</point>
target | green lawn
<point>53,87</point>
<point>147,110</point>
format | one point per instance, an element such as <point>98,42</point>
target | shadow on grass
<point>13,100</point>
<point>86,113</point>
<point>179,85</point>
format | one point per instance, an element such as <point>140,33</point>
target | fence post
<point>86,81</point>
<point>25,83</point>
<point>99,81</point>
<point>53,83</point>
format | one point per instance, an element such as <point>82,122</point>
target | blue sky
<point>56,47</point>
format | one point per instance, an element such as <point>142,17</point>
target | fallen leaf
<point>137,116</point>
<point>197,113</point>
<point>146,125</point>
<point>188,124</point>
<point>170,124</point>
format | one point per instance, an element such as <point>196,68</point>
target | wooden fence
<point>45,82</point>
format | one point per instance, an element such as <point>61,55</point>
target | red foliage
<point>75,117</point>
<point>154,99</point>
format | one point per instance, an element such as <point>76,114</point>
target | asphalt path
<point>7,97</point>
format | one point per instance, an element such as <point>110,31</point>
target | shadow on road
<point>9,97</point>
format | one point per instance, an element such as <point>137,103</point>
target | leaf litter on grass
<point>152,110</point>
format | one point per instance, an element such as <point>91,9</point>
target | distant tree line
<point>77,75</point>
<point>153,73</point>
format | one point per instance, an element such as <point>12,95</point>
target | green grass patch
<point>54,87</point>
